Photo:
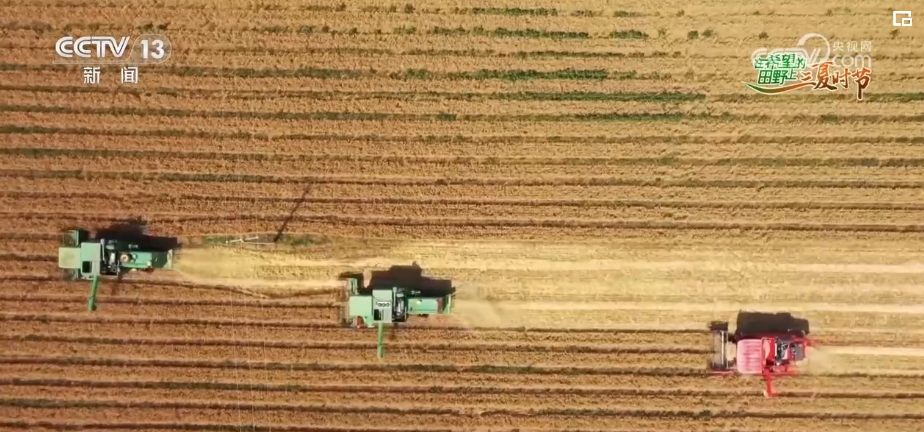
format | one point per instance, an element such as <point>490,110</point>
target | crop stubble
<point>770,268</point>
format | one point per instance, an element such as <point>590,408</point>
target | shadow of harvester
<point>403,276</point>
<point>760,323</point>
<point>133,231</point>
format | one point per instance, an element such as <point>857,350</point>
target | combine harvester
<point>392,296</point>
<point>89,259</point>
<point>767,344</point>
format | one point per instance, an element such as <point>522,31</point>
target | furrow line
<point>95,218</point>
<point>275,304</point>
<point>469,160</point>
<point>193,425</point>
<point>414,389</point>
<point>448,117</point>
<point>437,139</point>
<point>430,201</point>
<point>414,331</point>
<point>421,346</point>
<point>482,412</point>
<point>457,181</point>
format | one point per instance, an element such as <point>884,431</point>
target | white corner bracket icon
<point>905,21</point>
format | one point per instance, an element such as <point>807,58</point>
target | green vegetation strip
<point>372,116</point>
<point>469,160</point>
<point>375,95</point>
<point>457,139</point>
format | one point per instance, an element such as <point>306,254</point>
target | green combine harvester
<point>83,258</point>
<point>392,296</point>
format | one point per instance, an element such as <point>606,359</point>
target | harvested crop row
<point>142,287</point>
<point>173,223</point>
<point>178,116</point>
<point>181,201</point>
<point>453,397</point>
<point>416,330</point>
<point>642,127</point>
<point>395,354</point>
<point>333,416</point>
<point>263,79</point>
<point>703,191</point>
<point>652,171</point>
<point>590,19</point>
<point>416,104</point>
<point>540,147</point>
<point>432,230</point>
<point>27,247</point>
<point>179,310</point>
<point>604,316</point>
<point>241,209</point>
<point>741,285</point>
<point>273,330</point>
<point>480,375</point>
<point>462,69</point>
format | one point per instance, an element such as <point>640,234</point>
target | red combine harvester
<point>767,344</point>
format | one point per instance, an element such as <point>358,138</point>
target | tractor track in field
<point>168,218</point>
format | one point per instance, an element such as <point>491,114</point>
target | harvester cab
<point>765,344</point>
<point>89,259</point>
<point>392,297</point>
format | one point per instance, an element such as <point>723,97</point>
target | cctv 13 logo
<point>146,49</point>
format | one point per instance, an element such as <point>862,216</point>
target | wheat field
<point>594,176</point>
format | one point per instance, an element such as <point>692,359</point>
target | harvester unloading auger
<point>767,344</point>
<point>392,297</point>
<point>90,259</point>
